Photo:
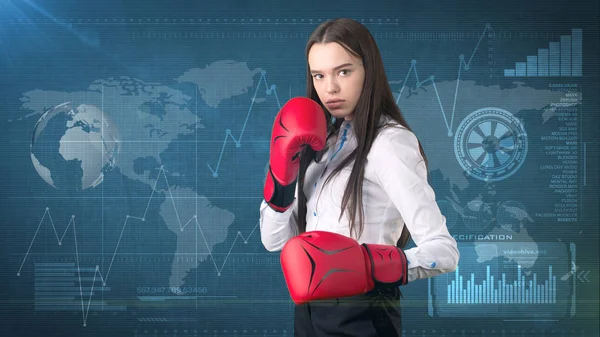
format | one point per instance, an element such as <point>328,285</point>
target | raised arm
<point>301,122</point>
<point>276,228</point>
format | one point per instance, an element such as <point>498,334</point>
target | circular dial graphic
<point>490,144</point>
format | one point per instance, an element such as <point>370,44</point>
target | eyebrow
<point>312,71</point>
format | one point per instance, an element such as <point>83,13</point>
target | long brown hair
<point>375,100</point>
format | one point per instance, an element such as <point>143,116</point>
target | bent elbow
<point>272,248</point>
<point>270,245</point>
<point>452,268</point>
<point>451,257</point>
<point>455,258</point>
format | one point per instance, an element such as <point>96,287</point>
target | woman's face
<point>338,77</point>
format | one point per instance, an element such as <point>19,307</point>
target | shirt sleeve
<point>401,172</point>
<point>276,228</point>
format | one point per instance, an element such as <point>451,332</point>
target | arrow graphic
<point>584,277</point>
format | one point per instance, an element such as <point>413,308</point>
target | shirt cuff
<point>420,267</point>
<point>275,215</point>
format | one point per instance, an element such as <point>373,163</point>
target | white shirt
<point>395,194</point>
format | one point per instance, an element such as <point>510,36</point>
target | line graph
<point>238,142</point>
<point>103,277</point>
<point>272,89</point>
<point>461,65</point>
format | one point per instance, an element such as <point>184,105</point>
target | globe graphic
<point>512,215</point>
<point>74,146</point>
<point>477,215</point>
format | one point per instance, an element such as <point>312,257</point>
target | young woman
<point>359,172</point>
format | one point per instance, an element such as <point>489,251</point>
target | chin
<point>339,113</point>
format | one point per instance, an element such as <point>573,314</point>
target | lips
<point>334,103</point>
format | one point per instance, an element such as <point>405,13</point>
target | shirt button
<point>315,184</point>
<point>315,213</point>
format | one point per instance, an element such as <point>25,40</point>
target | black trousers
<point>375,314</point>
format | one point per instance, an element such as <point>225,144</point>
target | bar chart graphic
<point>508,280</point>
<point>59,286</point>
<point>491,292</point>
<point>562,58</point>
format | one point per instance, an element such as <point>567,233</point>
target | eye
<point>345,72</point>
<point>316,76</point>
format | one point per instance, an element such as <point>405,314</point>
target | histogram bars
<point>98,275</point>
<point>462,291</point>
<point>238,142</point>
<point>563,58</point>
<point>56,288</point>
<point>461,64</point>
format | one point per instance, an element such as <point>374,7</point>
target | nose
<point>332,85</point>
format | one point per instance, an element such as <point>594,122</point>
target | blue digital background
<point>129,209</point>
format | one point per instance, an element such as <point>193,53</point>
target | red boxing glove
<point>320,265</point>
<point>300,122</point>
